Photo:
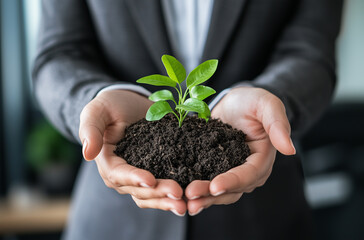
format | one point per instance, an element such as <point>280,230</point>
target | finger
<point>117,172</point>
<point>164,188</point>
<point>178,207</point>
<point>237,180</point>
<point>281,139</point>
<point>93,120</point>
<point>274,119</point>
<point>197,189</point>
<point>246,177</point>
<point>196,206</point>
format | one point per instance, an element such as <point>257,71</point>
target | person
<point>276,75</point>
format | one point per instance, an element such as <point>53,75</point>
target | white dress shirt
<point>188,22</point>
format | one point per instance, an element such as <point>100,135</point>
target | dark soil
<point>197,150</point>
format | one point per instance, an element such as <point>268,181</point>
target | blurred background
<point>38,166</point>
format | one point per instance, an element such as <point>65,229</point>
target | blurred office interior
<point>34,203</point>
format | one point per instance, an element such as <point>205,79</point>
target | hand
<point>260,115</point>
<point>103,122</point>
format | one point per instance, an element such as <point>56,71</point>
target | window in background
<point>2,162</point>
<point>333,149</point>
<point>31,21</point>
<point>351,53</point>
<point>28,141</point>
<point>13,92</point>
<point>20,115</point>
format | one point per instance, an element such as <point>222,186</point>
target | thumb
<point>92,128</point>
<point>277,126</point>
<point>280,138</point>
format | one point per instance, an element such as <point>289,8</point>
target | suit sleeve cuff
<point>131,87</point>
<point>218,98</point>
<point>222,94</point>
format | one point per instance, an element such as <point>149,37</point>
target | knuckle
<point>87,110</point>
<point>262,182</point>
<point>84,112</point>
<point>249,190</point>
<point>139,203</point>
<point>233,200</point>
<point>106,181</point>
<point>269,171</point>
<point>135,172</point>
<point>234,178</point>
<point>108,184</point>
<point>120,191</point>
<point>264,179</point>
<point>112,179</point>
<point>135,194</point>
<point>271,98</point>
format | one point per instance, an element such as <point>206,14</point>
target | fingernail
<point>84,147</point>
<point>177,213</point>
<point>293,146</point>
<point>145,185</point>
<point>194,197</point>
<point>195,213</point>
<point>172,197</point>
<point>218,193</point>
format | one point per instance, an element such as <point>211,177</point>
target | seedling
<point>177,74</point>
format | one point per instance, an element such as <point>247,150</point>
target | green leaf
<point>161,95</point>
<point>174,68</point>
<point>201,73</point>
<point>157,80</point>
<point>201,92</point>
<point>158,110</point>
<point>194,105</point>
<point>206,114</point>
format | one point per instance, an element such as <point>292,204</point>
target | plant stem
<point>185,95</point>
<point>174,102</point>
<point>176,116</point>
<point>179,92</point>
<point>180,89</point>
<point>181,99</point>
<point>183,118</point>
<point>180,120</point>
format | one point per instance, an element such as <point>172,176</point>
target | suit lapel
<point>148,17</point>
<point>225,16</point>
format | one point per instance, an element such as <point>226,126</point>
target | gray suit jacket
<point>284,46</point>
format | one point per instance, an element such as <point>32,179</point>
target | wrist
<point>131,87</point>
<point>125,99</point>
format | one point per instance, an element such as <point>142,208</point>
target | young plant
<point>184,105</point>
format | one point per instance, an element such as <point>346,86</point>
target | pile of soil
<point>195,151</point>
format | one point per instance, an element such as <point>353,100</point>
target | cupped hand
<point>262,117</point>
<point>102,125</point>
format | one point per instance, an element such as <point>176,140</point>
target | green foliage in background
<point>45,146</point>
